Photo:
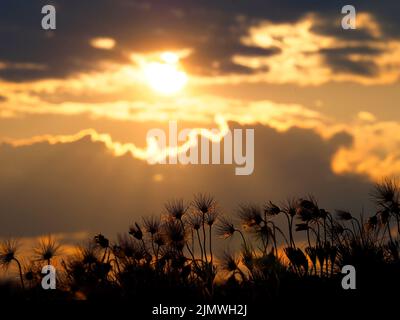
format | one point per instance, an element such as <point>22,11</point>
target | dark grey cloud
<point>212,28</point>
<point>365,50</point>
<point>339,59</point>
<point>343,64</point>
<point>331,27</point>
<point>82,187</point>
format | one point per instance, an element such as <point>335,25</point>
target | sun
<point>165,76</point>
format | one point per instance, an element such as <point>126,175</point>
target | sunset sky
<point>324,103</point>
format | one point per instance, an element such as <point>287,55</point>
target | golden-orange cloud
<point>375,151</point>
<point>300,60</point>
<point>151,153</point>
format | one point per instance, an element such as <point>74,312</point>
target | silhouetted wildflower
<point>323,214</point>
<point>211,217</point>
<point>151,225</point>
<point>307,210</point>
<point>175,233</point>
<point>372,222</point>
<point>250,215</point>
<point>8,252</point>
<point>229,262</point>
<point>386,192</point>
<point>272,209</point>
<point>195,221</point>
<point>176,208</point>
<point>225,228</point>
<point>136,231</point>
<point>290,207</point>
<point>204,202</point>
<point>344,215</point>
<point>47,249</point>
<point>102,241</point>
<point>32,273</point>
<point>89,253</point>
<point>159,239</point>
<point>128,247</point>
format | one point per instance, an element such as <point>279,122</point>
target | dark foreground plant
<point>279,247</point>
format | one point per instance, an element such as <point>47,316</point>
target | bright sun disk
<point>165,77</point>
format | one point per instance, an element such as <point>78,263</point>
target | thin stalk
<point>20,273</point>
<point>192,234</point>
<point>290,231</point>
<point>398,226</point>
<point>308,237</point>
<point>283,235</point>
<point>201,247</point>
<point>152,244</point>
<point>211,253</point>
<point>388,229</point>
<point>274,240</point>
<point>243,238</point>
<point>360,229</point>
<point>204,237</point>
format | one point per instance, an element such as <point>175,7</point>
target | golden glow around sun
<point>165,76</point>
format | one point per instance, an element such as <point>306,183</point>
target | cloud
<point>79,186</point>
<point>119,93</point>
<point>213,30</point>
<point>103,43</point>
<point>374,152</point>
<point>110,98</point>
<point>152,152</point>
<point>309,58</point>
<point>281,45</point>
<point>376,159</point>
<point>371,152</point>
<point>366,116</point>
<point>203,110</point>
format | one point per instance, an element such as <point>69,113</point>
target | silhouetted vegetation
<point>282,251</point>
